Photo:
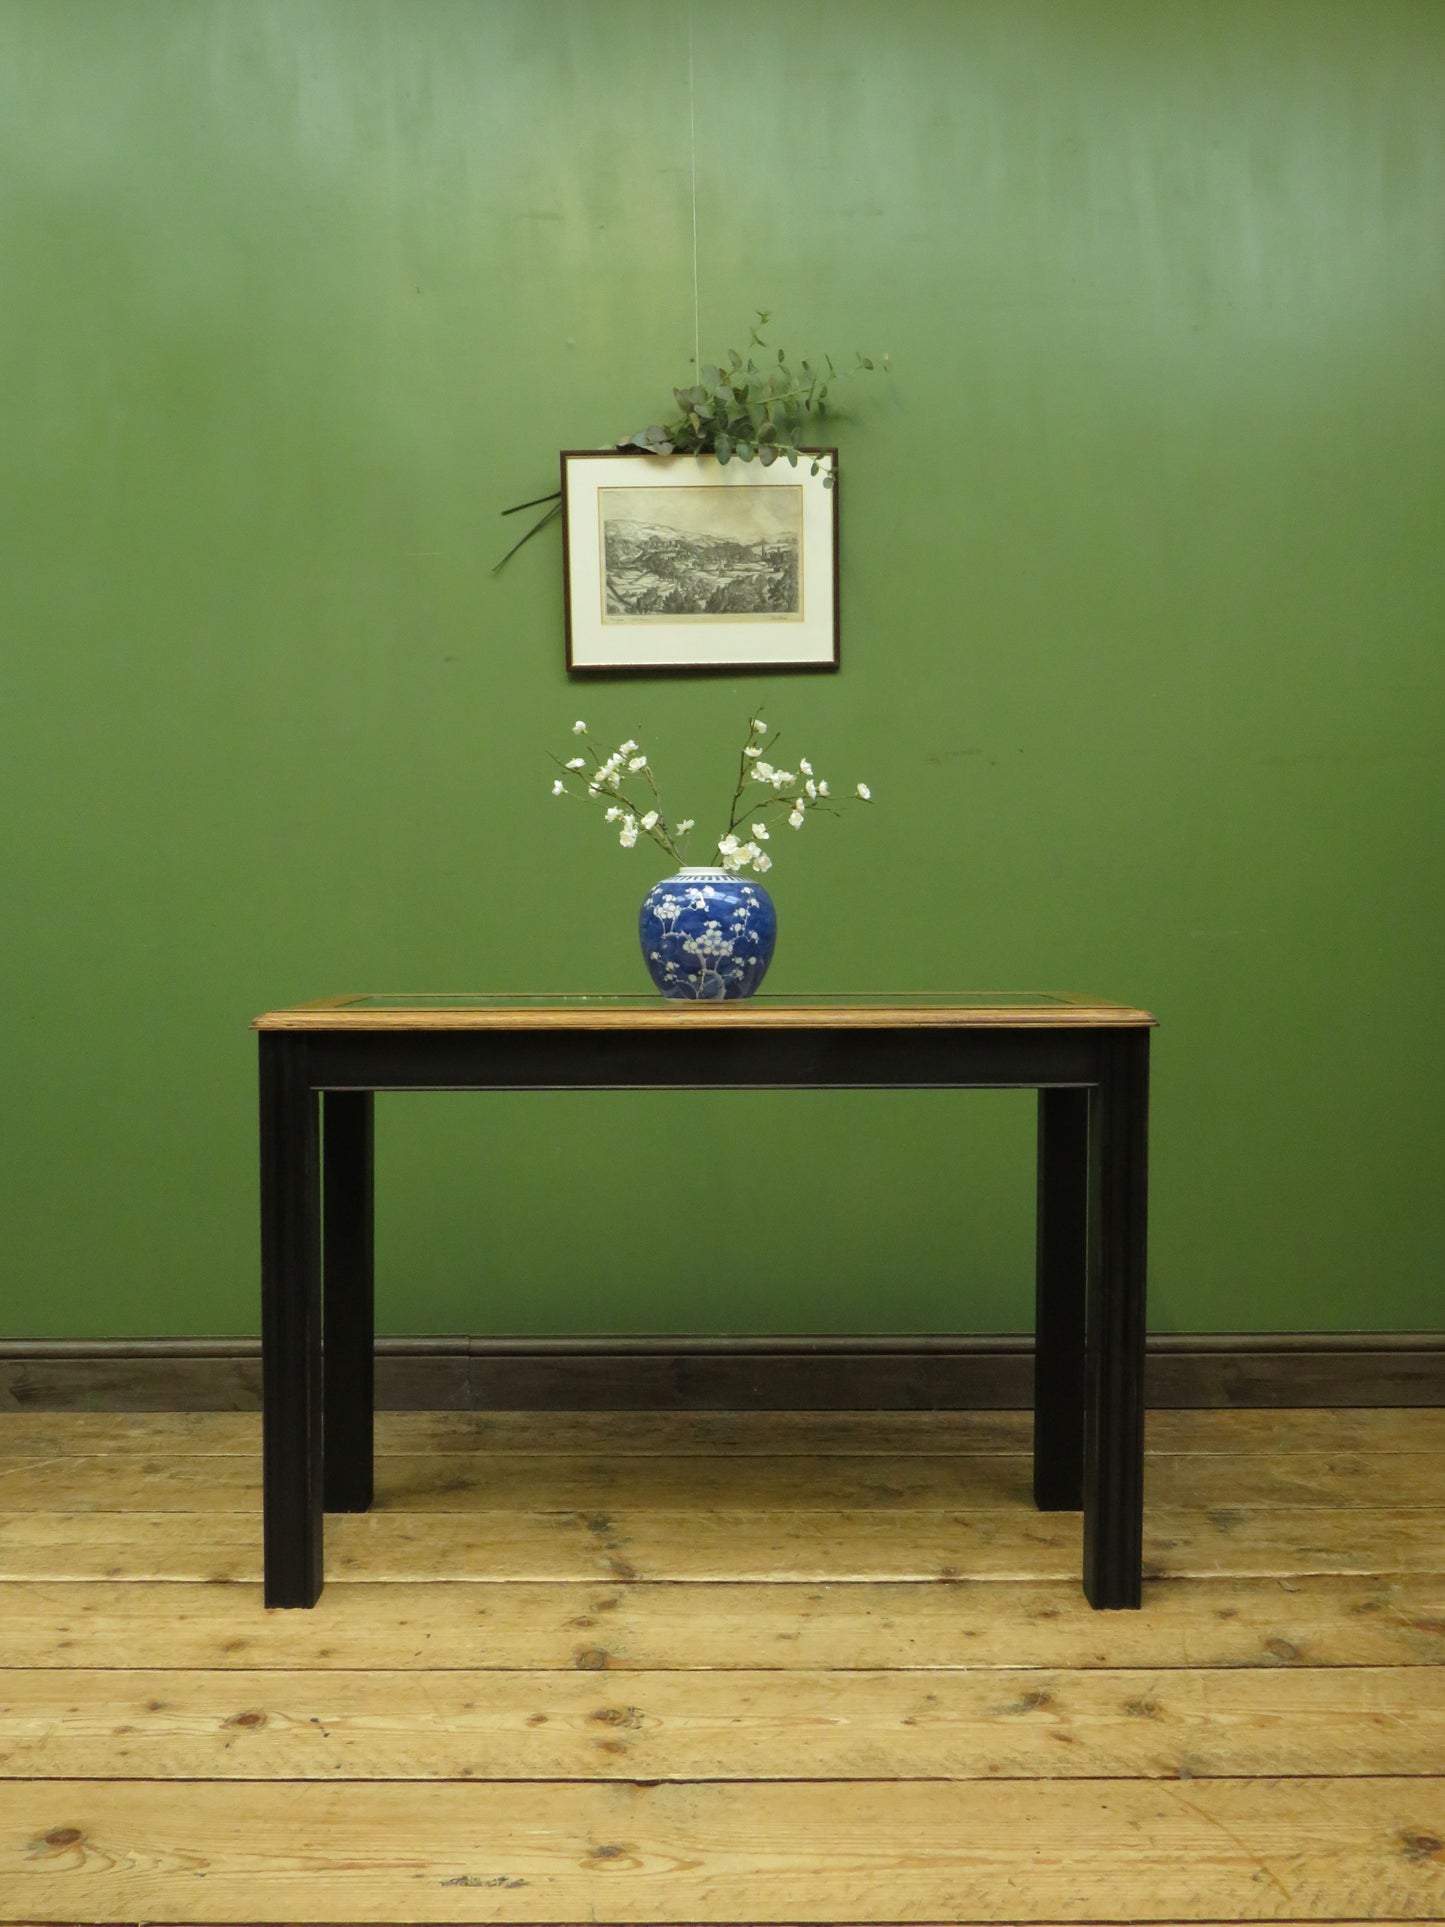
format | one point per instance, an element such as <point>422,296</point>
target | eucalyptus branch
<point>733,409</point>
<point>739,409</point>
<point>536,528</point>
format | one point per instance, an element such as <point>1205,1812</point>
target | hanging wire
<point>692,145</point>
<point>554,497</point>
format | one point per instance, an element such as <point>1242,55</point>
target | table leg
<point>290,1324</point>
<point>348,1275</point>
<point>1062,1262</point>
<point>1114,1423</point>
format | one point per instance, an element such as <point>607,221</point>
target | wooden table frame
<point>1088,1061</point>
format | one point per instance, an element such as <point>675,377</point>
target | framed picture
<point>684,562</point>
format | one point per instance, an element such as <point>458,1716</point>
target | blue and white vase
<point>707,935</point>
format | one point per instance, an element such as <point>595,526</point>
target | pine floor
<point>754,1668</point>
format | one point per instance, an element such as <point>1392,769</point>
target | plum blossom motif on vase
<point>706,935</point>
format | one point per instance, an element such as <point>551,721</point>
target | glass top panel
<point>582,1000</point>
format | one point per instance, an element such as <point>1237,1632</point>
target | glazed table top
<point>444,1011</point>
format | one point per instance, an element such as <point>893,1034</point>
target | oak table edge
<point>338,1014</point>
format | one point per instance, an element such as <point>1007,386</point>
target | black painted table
<point>321,1064</point>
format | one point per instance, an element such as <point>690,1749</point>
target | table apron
<point>924,1059</point>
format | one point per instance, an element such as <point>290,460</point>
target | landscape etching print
<point>705,554</point>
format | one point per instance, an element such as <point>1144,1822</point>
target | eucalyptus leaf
<point>743,410</point>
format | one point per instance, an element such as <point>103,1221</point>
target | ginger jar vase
<point>707,935</point>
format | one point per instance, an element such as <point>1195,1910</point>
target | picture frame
<point>674,563</point>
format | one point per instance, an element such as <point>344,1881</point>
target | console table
<point>321,1063</point>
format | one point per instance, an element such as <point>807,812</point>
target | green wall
<point>1142,605</point>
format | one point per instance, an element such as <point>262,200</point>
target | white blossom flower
<point>602,778</point>
<point>736,855</point>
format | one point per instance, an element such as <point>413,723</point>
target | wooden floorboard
<point>423,1626</point>
<point>1028,1724</point>
<point>723,1543</point>
<point>458,1482</point>
<point>694,1668</point>
<point>1230,1434</point>
<point>1062,1850</point>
